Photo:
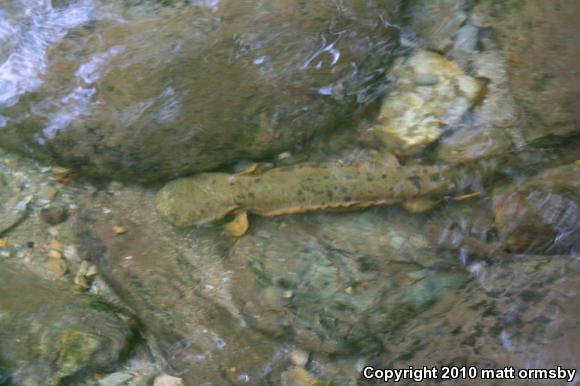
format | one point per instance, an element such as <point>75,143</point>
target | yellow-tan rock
<point>432,93</point>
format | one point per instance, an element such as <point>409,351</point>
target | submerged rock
<point>167,380</point>
<point>498,109</point>
<point>51,335</point>
<point>54,214</point>
<point>297,376</point>
<point>431,94</point>
<point>541,215</point>
<point>436,22</point>
<point>521,313</point>
<point>465,43</point>
<point>177,286</point>
<point>338,284</point>
<point>469,144</point>
<point>495,127</point>
<point>115,379</point>
<point>189,88</point>
<point>13,203</point>
<point>540,41</point>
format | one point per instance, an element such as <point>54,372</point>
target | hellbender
<point>212,196</point>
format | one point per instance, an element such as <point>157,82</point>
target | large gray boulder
<point>150,93</point>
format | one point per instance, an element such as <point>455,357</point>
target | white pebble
<point>299,358</point>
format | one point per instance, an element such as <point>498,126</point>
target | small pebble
<point>71,253</point>
<point>115,379</point>
<point>243,166</point>
<point>465,41</point>
<point>118,230</point>
<point>59,170</point>
<point>56,245</point>
<point>115,185</point>
<point>299,376</point>
<point>54,215</point>
<point>83,267</point>
<point>92,271</point>
<point>48,192</point>
<point>57,267</point>
<point>52,254</point>
<point>81,281</point>
<point>284,155</point>
<point>167,380</point>
<point>299,358</point>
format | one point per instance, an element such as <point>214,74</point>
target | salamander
<point>210,197</point>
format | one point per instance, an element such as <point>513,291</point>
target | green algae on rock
<point>77,349</point>
<point>338,283</point>
<point>51,335</point>
<point>190,88</point>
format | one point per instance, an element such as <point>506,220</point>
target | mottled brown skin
<point>212,196</point>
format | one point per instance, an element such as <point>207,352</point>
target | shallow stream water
<point>298,114</point>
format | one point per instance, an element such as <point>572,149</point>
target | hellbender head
<point>197,200</point>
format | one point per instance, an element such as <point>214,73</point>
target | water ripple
<point>28,35</point>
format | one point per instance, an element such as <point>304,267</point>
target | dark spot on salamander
<point>369,178</point>
<point>252,195</point>
<point>257,180</point>
<point>348,198</point>
<point>416,181</point>
<point>384,176</point>
<point>300,192</point>
<point>435,177</point>
<point>329,193</point>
